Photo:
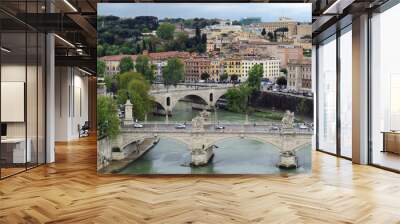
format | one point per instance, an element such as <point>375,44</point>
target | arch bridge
<point>168,98</point>
<point>284,141</point>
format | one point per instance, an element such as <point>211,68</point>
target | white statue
<point>198,121</point>
<point>288,119</point>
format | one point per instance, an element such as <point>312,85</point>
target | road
<point>229,128</point>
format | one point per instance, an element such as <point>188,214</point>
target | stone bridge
<point>168,98</point>
<point>284,141</point>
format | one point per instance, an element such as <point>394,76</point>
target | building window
<point>385,89</point>
<point>327,95</point>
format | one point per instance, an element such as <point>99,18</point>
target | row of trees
<point>273,36</point>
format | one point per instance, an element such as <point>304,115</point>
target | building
<point>271,67</point>
<point>216,69</point>
<point>195,66</point>
<point>299,75</point>
<point>288,52</point>
<point>233,66</point>
<point>159,59</point>
<point>112,63</point>
<point>282,22</point>
<point>304,29</point>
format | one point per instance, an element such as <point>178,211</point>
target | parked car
<point>137,125</point>
<point>303,126</point>
<point>219,127</point>
<point>274,128</point>
<point>180,126</point>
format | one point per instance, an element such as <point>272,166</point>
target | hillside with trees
<point>135,35</point>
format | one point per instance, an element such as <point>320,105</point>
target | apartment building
<point>195,66</point>
<point>299,75</point>
<point>271,67</point>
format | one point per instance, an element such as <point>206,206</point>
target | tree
<point>234,77</point>
<point>133,86</point>
<point>101,68</point>
<point>223,77</point>
<point>284,70</point>
<point>205,76</point>
<point>238,98</point>
<point>255,75</point>
<point>107,117</point>
<point>125,65</point>
<point>263,32</point>
<point>144,67</point>
<point>166,31</point>
<point>173,72</point>
<point>270,36</point>
<point>111,84</point>
<point>281,81</point>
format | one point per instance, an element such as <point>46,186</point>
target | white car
<point>274,128</point>
<point>219,127</point>
<point>137,125</point>
<point>180,126</point>
<point>303,126</point>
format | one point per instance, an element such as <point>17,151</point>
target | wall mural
<point>198,89</point>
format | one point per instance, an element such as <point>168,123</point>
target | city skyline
<point>268,12</point>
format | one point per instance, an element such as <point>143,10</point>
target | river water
<point>183,112</point>
<point>233,156</point>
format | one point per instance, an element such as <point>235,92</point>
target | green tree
<point>100,50</point>
<point>302,106</point>
<point>111,84</point>
<point>107,117</point>
<point>263,32</point>
<point>133,86</point>
<point>173,72</point>
<point>255,75</point>
<point>144,67</point>
<point>223,77</point>
<point>234,77</point>
<point>284,70</point>
<point>270,36</point>
<point>238,98</point>
<point>166,31</point>
<point>205,76</point>
<point>281,81</point>
<point>101,68</point>
<point>126,65</point>
<point>138,90</point>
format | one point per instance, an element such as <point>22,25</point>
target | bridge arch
<point>254,138</point>
<point>198,96</point>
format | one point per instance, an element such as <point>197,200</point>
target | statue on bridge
<point>198,121</point>
<point>288,120</point>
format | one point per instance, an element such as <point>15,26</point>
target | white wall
<point>71,102</point>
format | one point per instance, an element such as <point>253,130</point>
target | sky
<point>300,12</point>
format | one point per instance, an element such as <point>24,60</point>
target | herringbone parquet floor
<point>70,191</point>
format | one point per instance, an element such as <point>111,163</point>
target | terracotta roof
<point>153,56</point>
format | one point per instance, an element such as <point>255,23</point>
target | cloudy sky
<point>234,11</point>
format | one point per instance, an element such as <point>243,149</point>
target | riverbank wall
<point>299,105</point>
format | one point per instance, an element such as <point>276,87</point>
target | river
<point>233,156</point>
<point>183,112</point>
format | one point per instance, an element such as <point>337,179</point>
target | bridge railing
<point>210,128</point>
<point>162,89</point>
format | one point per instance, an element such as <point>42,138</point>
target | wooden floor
<point>70,191</point>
